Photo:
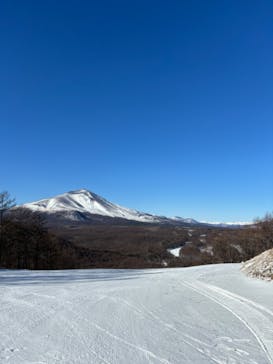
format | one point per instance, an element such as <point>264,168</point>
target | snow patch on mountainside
<point>175,251</point>
<point>260,266</point>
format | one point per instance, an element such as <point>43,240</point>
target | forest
<point>27,242</point>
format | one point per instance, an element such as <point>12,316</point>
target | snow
<point>238,248</point>
<point>208,314</point>
<point>260,266</point>
<point>175,251</point>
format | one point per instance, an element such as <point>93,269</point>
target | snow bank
<point>260,266</point>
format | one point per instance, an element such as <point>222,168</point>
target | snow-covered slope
<point>86,202</point>
<point>198,315</point>
<point>260,266</point>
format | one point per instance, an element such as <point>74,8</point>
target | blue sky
<point>161,106</point>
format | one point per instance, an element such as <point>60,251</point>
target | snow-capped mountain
<point>80,204</point>
<point>84,205</point>
<point>84,201</point>
<point>187,220</point>
<point>227,224</point>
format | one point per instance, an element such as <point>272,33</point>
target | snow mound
<point>260,266</point>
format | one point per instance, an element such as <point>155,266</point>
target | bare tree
<point>6,202</point>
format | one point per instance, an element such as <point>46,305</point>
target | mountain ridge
<point>85,201</point>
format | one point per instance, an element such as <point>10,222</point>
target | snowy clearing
<point>209,314</point>
<point>175,251</point>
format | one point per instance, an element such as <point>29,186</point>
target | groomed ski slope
<point>209,314</point>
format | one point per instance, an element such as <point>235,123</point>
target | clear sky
<point>163,106</point>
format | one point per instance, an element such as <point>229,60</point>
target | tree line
<point>25,242</point>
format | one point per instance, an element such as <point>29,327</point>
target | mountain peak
<point>83,190</point>
<point>85,201</point>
